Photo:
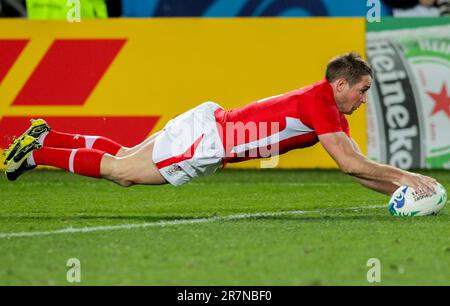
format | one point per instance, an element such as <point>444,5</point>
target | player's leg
<point>176,163</point>
<point>56,139</point>
<point>75,141</point>
<point>137,168</point>
<point>31,154</point>
<point>47,137</point>
<point>124,151</point>
<point>37,128</point>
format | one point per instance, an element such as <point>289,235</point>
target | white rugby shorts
<point>189,145</point>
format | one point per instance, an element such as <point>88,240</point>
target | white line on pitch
<point>180,222</point>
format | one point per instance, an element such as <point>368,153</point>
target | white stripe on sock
<point>90,140</point>
<point>42,138</point>
<point>71,159</point>
<point>30,160</point>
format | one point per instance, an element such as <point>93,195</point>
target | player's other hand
<point>420,183</point>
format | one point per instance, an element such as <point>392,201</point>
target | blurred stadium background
<point>122,69</point>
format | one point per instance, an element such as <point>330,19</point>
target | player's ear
<point>340,84</point>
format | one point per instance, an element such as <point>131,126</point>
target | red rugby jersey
<point>278,124</point>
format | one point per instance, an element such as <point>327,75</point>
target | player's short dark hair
<point>349,66</point>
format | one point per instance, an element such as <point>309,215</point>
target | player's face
<point>353,97</point>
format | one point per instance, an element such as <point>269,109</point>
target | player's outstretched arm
<point>352,162</point>
<point>387,188</point>
<point>379,186</point>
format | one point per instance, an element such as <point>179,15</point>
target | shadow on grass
<point>15,219</point>
<point>224,218</point>
<point>308,217</point>
<point>349,218</point>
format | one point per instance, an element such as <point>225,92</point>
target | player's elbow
<point>351,164</point>
<point>347,167</point>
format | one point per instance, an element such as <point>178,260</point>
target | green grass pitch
<point>327,241</point>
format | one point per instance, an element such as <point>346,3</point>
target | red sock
<point>74,141</point>
<point>80,161</point>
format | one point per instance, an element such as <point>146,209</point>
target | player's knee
<point>125,183</point>
<point>120,172</point>
<point>122,181</point>
<point>136,170</point>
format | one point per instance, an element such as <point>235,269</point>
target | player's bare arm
<point>379,186</point>
<point>352,162</point>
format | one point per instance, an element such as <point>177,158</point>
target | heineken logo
<point>408,116</point>
<point>398,109</point>
<point>442,101</point>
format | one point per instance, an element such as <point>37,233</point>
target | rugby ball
<point>406,202</point>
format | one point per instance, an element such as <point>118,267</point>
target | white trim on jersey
<point>294,127</point>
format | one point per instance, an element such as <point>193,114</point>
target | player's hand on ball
<point>420,183</point>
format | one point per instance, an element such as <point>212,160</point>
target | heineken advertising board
<point>408,114</point>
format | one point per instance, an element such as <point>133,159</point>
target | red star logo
<point>442,101</point>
